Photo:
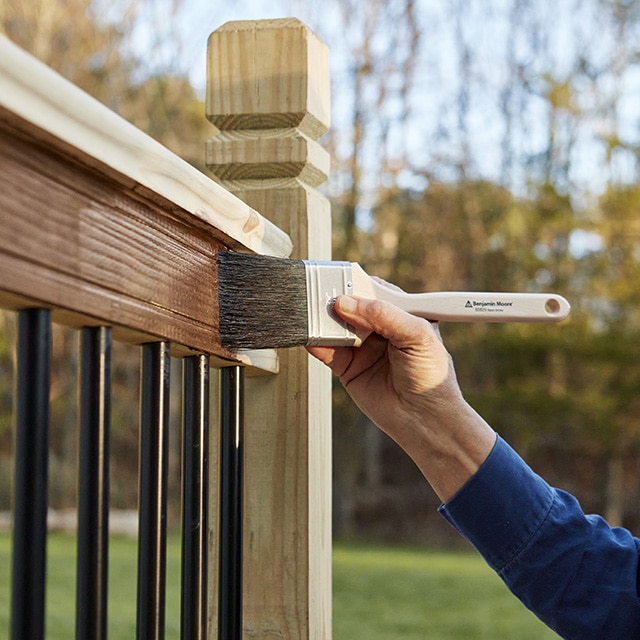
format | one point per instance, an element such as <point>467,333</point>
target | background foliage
<point>477,145</point>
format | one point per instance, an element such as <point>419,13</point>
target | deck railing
<point>106,231</point>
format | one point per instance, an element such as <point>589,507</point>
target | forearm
<point>451,452</point>
<point>448,446</point>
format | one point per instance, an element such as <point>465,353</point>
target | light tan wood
<point>91,132</point>
<point>287,88</point>
<point>276,153</point>
<point>268,90</point>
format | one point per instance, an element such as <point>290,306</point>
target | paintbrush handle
<point>464,306</point>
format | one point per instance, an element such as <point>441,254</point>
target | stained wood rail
<point>103,224</point>
<point>104,229</point>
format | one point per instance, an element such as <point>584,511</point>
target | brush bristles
<point>262,300</point>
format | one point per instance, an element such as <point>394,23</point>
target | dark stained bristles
<point>262,300</point>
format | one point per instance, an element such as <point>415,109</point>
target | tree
<point>66,36</point>
<point>376,45</point>
<point>98,55</point>
<point>481,172</point>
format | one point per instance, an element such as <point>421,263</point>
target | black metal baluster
<point>154,451</point>
<point>231,503</point>
<point>31,471</point>
<point>93,483</point>
<point>195,495</point>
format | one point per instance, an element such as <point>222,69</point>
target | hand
<point>403,379</point>
<point>401,374</point>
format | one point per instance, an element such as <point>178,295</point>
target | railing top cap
<point>46,101</point>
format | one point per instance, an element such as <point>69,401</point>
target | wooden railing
<point>106,231</point>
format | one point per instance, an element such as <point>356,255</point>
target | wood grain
<point>275,153</point>
<point>88,131</point>
<point>268,74</point>
<point>268,90</point>
<point>94,249</point>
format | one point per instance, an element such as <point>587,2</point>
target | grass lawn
<point>399,594</point>
<point>379,593</point>
<point>61,588</point>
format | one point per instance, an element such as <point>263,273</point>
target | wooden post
<point>268,94</point>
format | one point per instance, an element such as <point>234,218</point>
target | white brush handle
<point>465,306</point>
<point>461,306</point>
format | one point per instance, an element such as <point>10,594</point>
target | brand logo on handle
<point>488,305</point>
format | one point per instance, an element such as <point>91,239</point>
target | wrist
<point>451,445</point>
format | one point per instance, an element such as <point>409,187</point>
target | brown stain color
<point>82,240</point>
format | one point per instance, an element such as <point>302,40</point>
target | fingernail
<point>347,304</point>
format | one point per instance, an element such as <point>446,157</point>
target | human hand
<point>403,379</point>
<point>401,374</point>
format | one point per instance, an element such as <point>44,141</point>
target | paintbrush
<point>268,302</point>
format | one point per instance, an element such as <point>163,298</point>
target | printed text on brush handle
<point>463,306</point>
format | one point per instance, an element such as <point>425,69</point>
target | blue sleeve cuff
<point>500,523</point>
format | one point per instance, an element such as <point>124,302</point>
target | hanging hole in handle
<point>552,306</point>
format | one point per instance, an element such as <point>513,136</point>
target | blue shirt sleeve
<point>577,574</point>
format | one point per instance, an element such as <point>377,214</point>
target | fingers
<point>385,323</point>
<point>336,358</point>
<point>402,329</point>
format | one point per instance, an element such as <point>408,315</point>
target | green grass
<point>401,594</point>
<point>61,588</point>
<point>379,593</point>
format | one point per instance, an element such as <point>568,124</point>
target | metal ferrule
<point>325,282</point>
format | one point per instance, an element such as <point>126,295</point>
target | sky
<point>432,135</point>
<point>193,22</point>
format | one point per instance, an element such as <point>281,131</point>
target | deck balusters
<point>153,470</point>
<point>195,449</point>
<point>30,517</point>
<point>231,503</point>
<point>31,470</point>
<point>93,483</point>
